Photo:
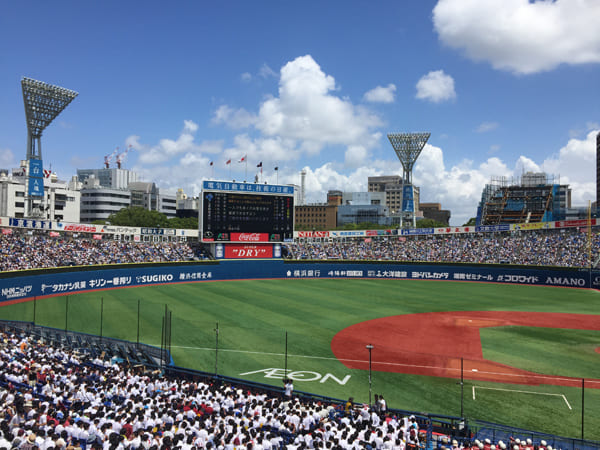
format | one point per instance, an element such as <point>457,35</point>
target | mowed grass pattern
<point>253,318</point>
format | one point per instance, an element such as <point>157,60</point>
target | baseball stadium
<point>247,334</point>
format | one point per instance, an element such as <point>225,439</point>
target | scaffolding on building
<point>535,197</point>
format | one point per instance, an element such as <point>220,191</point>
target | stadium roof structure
<point>43,103</point>
<point>408,147</point>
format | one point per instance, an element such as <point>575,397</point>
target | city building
<point>187,206</point>
<point>533,198</point>
<point>107,191</point>
<point>364,198</point>
<point>115,178</point>
<point>334,197</point>
<point>98,202</point>
<point>147,195</point>
<point>355,214</point>
<point>60,201</point>
<point>320,216</point>
<point>435,212</point>
<point>392,186</point>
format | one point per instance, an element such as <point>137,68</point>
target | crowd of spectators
<point>51,399</point>
<point>33,251</point>
<point>566,248</point>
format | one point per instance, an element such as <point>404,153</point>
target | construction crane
<point>108,158</point>
<point>121,156</point>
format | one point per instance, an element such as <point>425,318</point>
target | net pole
<point>286,352</point>
<point>138,325</point>
<point>217,349</point>
<point>462,389</point>
<point>582,406</point>
<point>67,314</point>
<point>101,316</point>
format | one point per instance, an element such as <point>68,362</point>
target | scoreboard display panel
<point>244,212</point>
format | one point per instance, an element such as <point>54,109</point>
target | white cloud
<point>436,87</point>
<point>306,109</point>
<point>457,188</point>
<point>189,127</point>
<point>7,158</point>
<point>381,94</point>
<point>484,127</point>
<point>493,149</point>
<point>266,72</point>
<point>166,149</point>
<point>521,36</point>
<point>246,77</point>
<point>233,118</point>
<point>356,156</point>
<point>575,163</point>
<point>326,177</point>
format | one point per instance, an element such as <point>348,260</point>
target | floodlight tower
<point>43,103</point>
<point>408,147</point>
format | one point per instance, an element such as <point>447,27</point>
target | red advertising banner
<point>249,237</point>
<point>54,234</point>
<point>313,234</point>
<point>98,237</point>
<point>6,231</point>
<point>248,251</point>
<point>574,223</point>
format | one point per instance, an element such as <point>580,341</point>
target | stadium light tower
<point>43,103</point>
<point>408,147</point>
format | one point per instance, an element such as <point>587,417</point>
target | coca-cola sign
<point>248,251</point>
<point>249,237</point>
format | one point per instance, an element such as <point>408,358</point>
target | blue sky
<point>504,86</point>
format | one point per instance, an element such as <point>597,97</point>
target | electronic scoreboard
<point>246,213</point>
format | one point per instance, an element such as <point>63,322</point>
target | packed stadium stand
<point>54,397</point>
<point>553,247</point>
<point>566,248</point>
<point>22,251</point>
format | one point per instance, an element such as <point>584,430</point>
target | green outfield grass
<point>254,316</point>
<point>552,351</point>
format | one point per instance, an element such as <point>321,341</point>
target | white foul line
<point>383,363</point>
<point>523,392</point>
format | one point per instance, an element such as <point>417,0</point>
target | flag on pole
<point>211,163</point>
<point>228,161</point>
<point>243,158</point>
<point>259,164</point>
<point>276,168</point>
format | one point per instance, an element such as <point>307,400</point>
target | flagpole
<point>246,167</point>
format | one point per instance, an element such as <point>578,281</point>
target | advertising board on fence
<point>248,251</point>
<point>19,288</point>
